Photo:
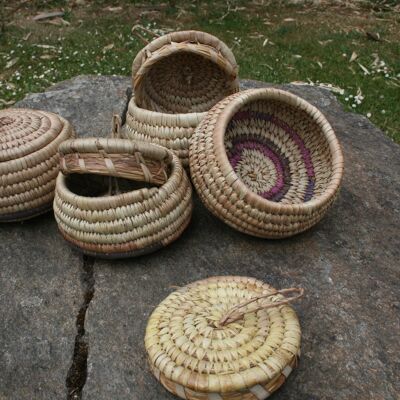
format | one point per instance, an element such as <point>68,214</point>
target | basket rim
<point>179,37</point>
<point>252,198</point>
<point>191,119</point>
<point>120,199</point>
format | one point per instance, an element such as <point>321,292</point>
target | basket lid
<point>197,340</point>
<point>183,72</point>
<point>25,131</point>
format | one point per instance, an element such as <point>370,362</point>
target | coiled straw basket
<point>266,162</point>
<point>144,206</point>
<point>177,78</point>
<point>224,338</point>
<point>29,161</point>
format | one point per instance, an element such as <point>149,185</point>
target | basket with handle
<point>224,338</point>
<point>266,162</point>
<point>116,198</point>
<point>177,78</point>
<point>29,161</point>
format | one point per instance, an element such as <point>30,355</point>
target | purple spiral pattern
<point>272,153</point>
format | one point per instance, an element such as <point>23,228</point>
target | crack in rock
<point>77,374</point>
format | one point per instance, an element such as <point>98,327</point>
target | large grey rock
<point>348,265</point>
<point>40,295</point>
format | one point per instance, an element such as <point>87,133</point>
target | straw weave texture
<point>266,162</point>
<point>176,79</point>
<point>122,224</point>
<point>196,358</point>
<point>29,161</point>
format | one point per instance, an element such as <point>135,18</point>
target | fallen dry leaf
<point>46,56</point>
<point>11,63</point>
<point>108,47</point>
<point>354,56</point>
<point>374,36</point>
<point>7,103</point>
<point>289,20</point>
<point>113,9</point>
<point>58,22</point>
<point>364,69</point>
<point>325,42</point>
<point>47,15</point>
<point>27,36</point>
<point>320,64</point>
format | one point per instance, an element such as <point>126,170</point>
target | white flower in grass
<point>354,105</point>
<point>383,112</point>
<point>369,115</point>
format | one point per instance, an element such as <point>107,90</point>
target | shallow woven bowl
<point>115,198</point>
<point>29,161</point>
<point>176,79</point>
<point>196,358</point>
<point>266,162</point>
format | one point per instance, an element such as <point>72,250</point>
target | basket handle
<point>235,313</point>
<point>135,31</point>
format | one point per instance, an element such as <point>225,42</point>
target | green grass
<point>316,47</point>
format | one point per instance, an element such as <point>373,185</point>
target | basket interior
<point>279,152</point>
<point>93,185</point>
<point>184,82</point>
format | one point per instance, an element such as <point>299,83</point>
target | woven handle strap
<point>236,313</point>
<point>96,158</point>
<point>135,31</point>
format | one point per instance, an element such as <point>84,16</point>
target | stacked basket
<point>29,140</point>
<point>177,78</point>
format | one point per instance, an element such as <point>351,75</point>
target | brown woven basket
<point>29,161</point>
<point>116,198</point>
<point>266,162</point>
<point>224,338</point>
<point>177,78</point>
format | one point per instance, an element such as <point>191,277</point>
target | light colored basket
<point>266,162</point>
<point>224,338</point>
<point>177,78</point>
<point>146,208</point>
<point>29,161</point>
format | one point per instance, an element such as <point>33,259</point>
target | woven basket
<point>29,161</point>
<point>224,338</point>
<point>176,79</point>
<point>266,162</point>
<point>116,198</point>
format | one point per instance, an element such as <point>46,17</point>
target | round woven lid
<point>24,131</point>
<point>201,345</point>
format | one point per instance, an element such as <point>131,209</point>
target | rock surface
<point>348,265</point>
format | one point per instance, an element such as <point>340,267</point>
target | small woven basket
<point>266,162</point>
<point>116,198</point>
<point>176,79</point>
<point>29,161</point>
<point>224,338</point>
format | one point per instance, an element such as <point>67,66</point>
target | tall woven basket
<point>224,338</point>
<point>177,78</point>
<point>266,162</point>
<point>116,198</point>
<point>29,161</point>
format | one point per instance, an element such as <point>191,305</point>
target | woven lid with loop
<point>225,337</point>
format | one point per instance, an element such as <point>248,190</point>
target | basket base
<point>26,214</point>
<point>116,256</point>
